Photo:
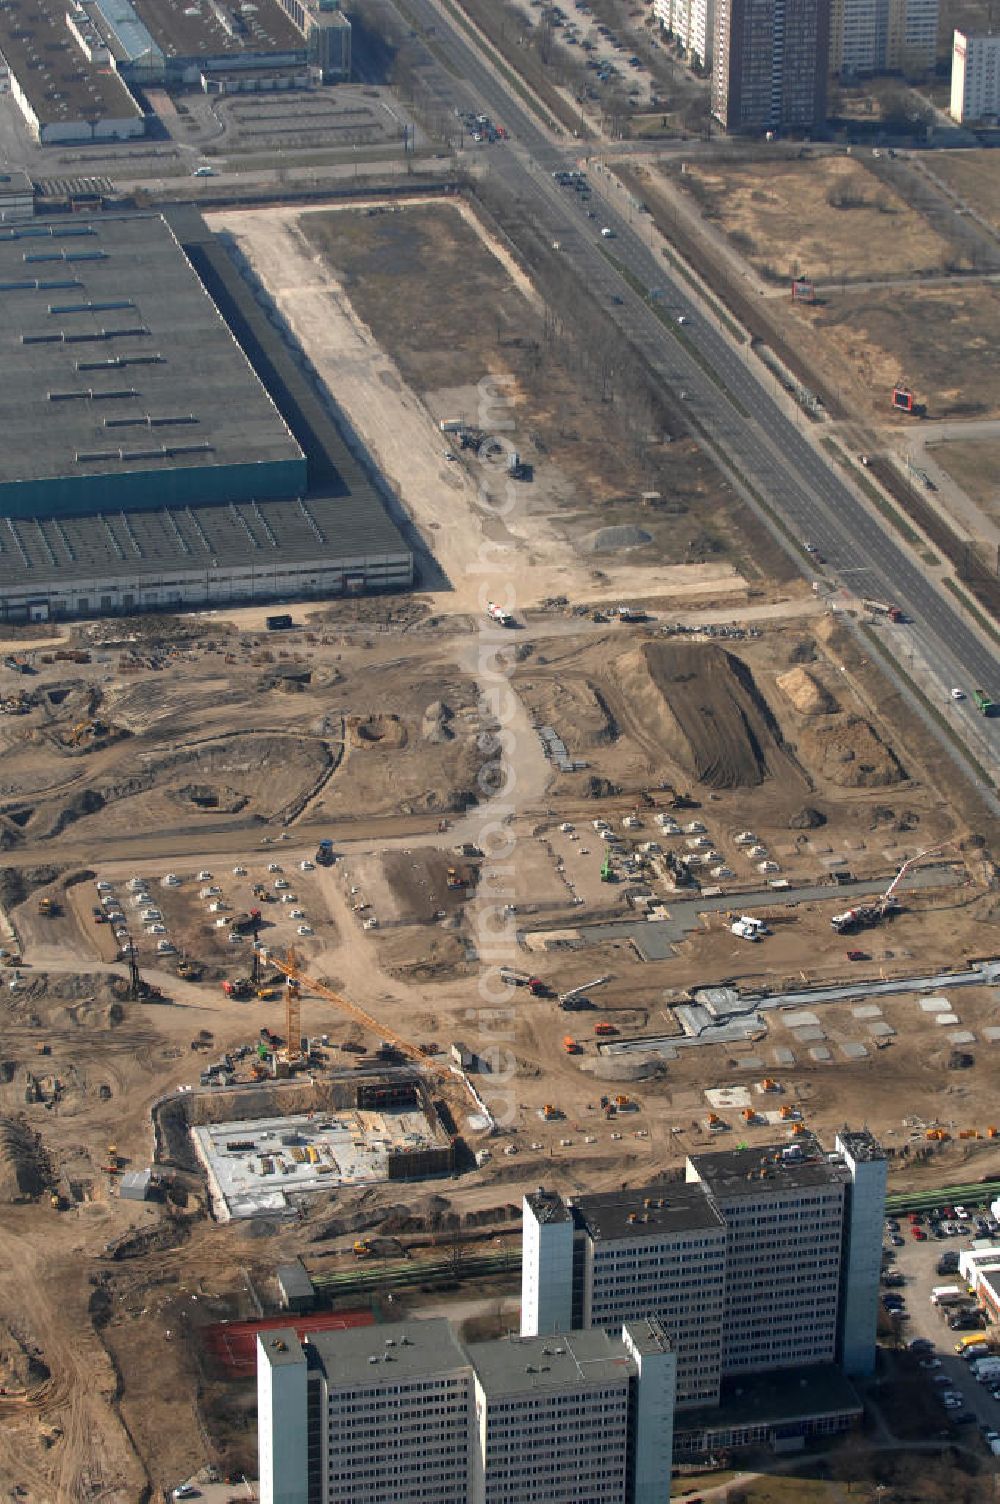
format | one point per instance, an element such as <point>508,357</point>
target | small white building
<point>975,77</point>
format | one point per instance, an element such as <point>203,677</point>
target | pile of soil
<point>716,722</point>
<point>850,753</point>
<point>24,1170</point>
<point>806,693</point>
<point>573,706</point>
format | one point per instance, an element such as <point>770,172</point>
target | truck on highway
<point>881,608</point>
<point>984,704</point>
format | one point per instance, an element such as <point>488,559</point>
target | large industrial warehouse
<point>145,464</point>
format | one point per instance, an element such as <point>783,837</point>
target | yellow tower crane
<point>296,980</point>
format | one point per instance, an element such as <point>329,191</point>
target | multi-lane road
<point>714,377</point>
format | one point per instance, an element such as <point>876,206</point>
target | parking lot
<point>607,56</point>
<point>916,1259</point>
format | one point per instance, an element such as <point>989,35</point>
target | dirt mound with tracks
<point>849,752</point>
<point>714,719</point>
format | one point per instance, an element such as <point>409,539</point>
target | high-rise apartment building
<point>882,36</point>
<point>692,23</point>
<point>783,1209</point>
<point>630,1255</point>
<point>975,76</point>
<point>769,70</point>
<point>762,1260</point>
<point>406,1414</point>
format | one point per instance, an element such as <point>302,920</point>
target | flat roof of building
<point>281,1347</point>
<point>184,30</point>
<point>294,1281</point>
<point>526,1365</point>
<point>402,1349</point>
<point>116,358</point>
<point>15,184</point>
<point>786,1395</point>
<point>744,1172</point>
<point>262,537</point>
<point>52,71</point>
<point>548,1206</point>
<point>676,1207</point>
<point>862,1146</point>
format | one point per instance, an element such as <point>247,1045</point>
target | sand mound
<point>23,1166</point>
<point>806,693</point>
<point>850,753</point>
<point>574,707</point>
<point>609,540</point>
<point>705,705</point>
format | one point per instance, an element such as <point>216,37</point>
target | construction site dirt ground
<point>203,744</point>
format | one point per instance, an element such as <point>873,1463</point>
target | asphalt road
<point>714,378</point>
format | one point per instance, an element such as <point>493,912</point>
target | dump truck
<point>239,988</point>
<point>570,1045</point>
<point>885,608</point>
<point>362,1248</point>
<point>48,908</point>
<point>605,1030</point>
<point>535,985</point>
<point>324,853</point>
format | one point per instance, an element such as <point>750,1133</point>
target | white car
<point>239,872</point>
<point>958,694</point>
<point>307,866</point>
<point>171,880</point>
<point>204,877</point>
<point>304,929</point>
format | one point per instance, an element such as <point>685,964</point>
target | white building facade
<point>975,77</point>
<point>405,1414</point>
<point>690,22</point>
<point>764,1260</point>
